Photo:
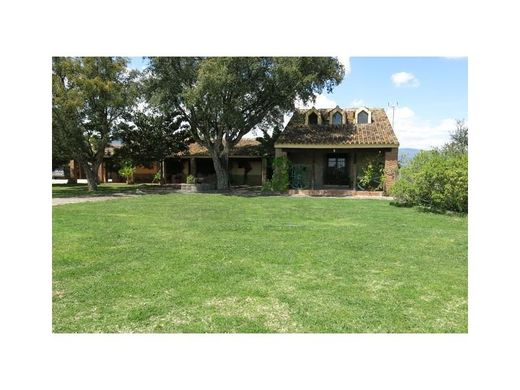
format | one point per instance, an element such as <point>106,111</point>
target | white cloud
<point>404,79</point>
<point>345,60</point>
<point>415,132</point>
<point>357,103</point>
<point>322,101</point>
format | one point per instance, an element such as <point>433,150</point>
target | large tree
<point>89,97</point>
<point>221,99</point>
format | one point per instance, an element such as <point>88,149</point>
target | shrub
<point>267,186</point>
<point>191,179</point>
<point>127,171</point>
<point>157,177</point>
<point>280,179</point>
<point>434,179</point>
<point>372,177</point>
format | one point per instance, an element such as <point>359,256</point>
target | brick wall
<point>391,168</point>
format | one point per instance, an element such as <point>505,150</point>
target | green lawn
<point>217,263</point>
<point>73,190</point>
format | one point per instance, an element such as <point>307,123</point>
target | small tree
<point>127,171</point>
<point>459,139</point>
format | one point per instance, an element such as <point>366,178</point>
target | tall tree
<point>221,99</point>
<point>89,97</point>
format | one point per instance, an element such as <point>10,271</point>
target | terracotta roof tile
<point>245,147</point>
<point>379,131</point>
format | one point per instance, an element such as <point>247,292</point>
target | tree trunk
<point>92,181</point>
<point>91,171</point>
<point>221,170</point>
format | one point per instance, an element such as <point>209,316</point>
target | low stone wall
<point>202,187</point>
<point>336,192</point>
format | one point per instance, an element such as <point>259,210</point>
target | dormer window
<point>313,117</point>
<point>363,115</point>
<point>337,118</point>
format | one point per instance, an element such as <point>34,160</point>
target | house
<point>329,148</point>
<point>246,166</point>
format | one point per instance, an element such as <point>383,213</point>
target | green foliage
<point>372,177</point>
<point>191,179</point>
<point>157,177</point>
<point>459,139</point>
<point>127,171</point>
<point>434,179</point>
<point>89,98</point>
<point>437,179</point>
<point>280,180</point>
<point>150,136</point>
<point>267,186</point>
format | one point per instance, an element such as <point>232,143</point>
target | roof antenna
<point>396,104</point>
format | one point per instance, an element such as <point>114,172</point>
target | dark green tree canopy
<point>149,136</point>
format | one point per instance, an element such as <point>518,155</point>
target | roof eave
<point>334,146</point>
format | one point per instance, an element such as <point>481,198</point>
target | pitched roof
<point>245,147</point>
<point>378,132</point>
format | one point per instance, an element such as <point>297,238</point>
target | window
<point>337,118</point>
<point>313,119</point>
<point>362,117</point>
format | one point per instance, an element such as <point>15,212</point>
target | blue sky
<point>432,92</point>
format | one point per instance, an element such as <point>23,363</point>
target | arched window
<point>337,118</point>
<point>362,117</point>
<point>313,119</point>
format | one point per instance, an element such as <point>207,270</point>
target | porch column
<point>353,170</point>
<point>73,177</point>
<point>193,166</point>
<point>391,167</point>
<point>313,173</point>
<point>163,172</point>
<point>264,170</point>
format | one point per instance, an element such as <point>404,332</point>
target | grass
<point>104,189</point>
<point>217,263</point>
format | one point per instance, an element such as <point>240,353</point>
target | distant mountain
<point>406,154</point>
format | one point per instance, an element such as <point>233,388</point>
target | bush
<point>434,179</point>
<point>157,177</point>
<point>280,179</point>
<point>127,171</point>
<point>191,179</point>
<point>372,177</point>
<point>267,186</point>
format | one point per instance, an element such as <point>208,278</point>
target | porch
<point>334,171</point>
<point>242,170</point>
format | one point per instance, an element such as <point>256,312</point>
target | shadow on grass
<point>428,209</point>
<point>81,190</point>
